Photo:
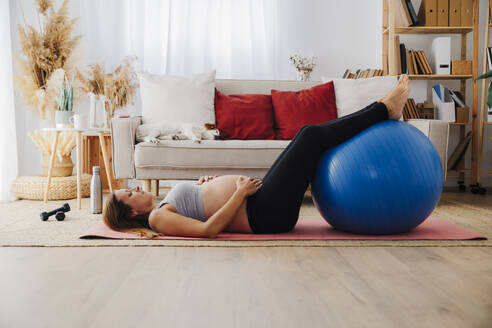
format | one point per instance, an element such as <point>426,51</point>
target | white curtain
<point>182,37</point>
<point>8,146</point>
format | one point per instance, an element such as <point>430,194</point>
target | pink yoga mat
<point>317,229</point>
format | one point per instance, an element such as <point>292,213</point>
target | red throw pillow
<point>310,106</point>
<point>244,117</point>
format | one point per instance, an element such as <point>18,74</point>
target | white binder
<point>440,59</point>
<point>445,108</point>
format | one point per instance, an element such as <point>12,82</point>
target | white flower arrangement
<point>303,63</point>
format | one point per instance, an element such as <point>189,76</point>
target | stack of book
<point>362,74</point>
<point>414,62</point>
<point>410,110</point>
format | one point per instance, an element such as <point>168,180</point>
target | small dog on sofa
<point>154,132</point>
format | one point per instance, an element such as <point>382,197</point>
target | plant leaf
<point>484,76</point>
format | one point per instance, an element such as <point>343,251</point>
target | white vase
<point>62,118</point>
<point>304,74</point>
<point>98,115</point>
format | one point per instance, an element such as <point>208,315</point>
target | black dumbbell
<point>59,213</point>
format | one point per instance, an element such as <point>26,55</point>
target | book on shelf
<point>406,12</point>
<point>403,58</point>
<point>410,69</point>
<point>411,11</point>
<point>362,74</point>
<point>459,102</point>
<point>402,15</point>
<point>397,55</point>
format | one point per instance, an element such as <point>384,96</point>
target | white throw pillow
<point>355,94</point>
<point>178,99</point>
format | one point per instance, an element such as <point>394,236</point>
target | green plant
<point>65,98</point>
<point>486,76</point>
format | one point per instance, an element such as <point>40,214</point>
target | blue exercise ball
<point>385,180</point>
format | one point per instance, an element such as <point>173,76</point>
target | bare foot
<point>395,99</point>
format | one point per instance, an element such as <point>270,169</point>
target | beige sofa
<point>186,160</point>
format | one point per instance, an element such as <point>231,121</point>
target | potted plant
<point>65,105</point>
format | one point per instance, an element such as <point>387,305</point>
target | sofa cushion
<point>355,94</point>
<point>296,109</point>
<point>185,154</point>
<point>244,117</point>
<point>178,99</point>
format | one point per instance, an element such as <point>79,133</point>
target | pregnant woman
<point>243,204</point>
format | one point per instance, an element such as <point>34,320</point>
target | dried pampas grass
<point>119,86</point>
<point>45,52</point>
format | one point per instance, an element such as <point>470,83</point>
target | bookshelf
<point>483,105</point>
<point>390,32</point>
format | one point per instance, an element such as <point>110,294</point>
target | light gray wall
<point>342,34</point>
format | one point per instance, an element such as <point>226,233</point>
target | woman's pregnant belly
<point>216,193</point>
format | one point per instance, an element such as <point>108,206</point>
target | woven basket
<point>32,187</point>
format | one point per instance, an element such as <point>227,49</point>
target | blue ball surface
<point>385,180</point>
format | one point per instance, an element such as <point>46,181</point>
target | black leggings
<point>275,206</point>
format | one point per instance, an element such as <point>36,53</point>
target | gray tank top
<point>187,198</point>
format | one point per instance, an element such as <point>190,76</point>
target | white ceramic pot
<point>62,119</point>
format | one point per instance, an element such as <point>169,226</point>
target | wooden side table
<point>52,159</point>
<point>101,135</point>
<point>94,154</point>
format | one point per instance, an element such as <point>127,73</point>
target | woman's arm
<point>173,224</point>
<point>221,219</point>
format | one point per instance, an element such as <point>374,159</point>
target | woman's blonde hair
<point>118,216</point>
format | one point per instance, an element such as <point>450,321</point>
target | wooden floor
<point>247,287</point>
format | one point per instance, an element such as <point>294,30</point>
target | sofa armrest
<point>123,146</point>
<point>438,133</point>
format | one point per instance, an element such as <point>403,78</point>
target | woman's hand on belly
<point>216,193</point>
<point>205,178</point>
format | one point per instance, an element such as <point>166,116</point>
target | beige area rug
<point>20,225</point>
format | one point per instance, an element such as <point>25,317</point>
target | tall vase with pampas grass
<point>113,90</point>
<point>48,54</point>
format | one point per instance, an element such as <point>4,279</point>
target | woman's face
<point>139,200</point>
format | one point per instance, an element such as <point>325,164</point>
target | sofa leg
<point>155,187</point>
<point>146,185</point>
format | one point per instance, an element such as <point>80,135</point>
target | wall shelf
<point>434,30</point>
<point>439,77</point>
<point>454,123</point>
